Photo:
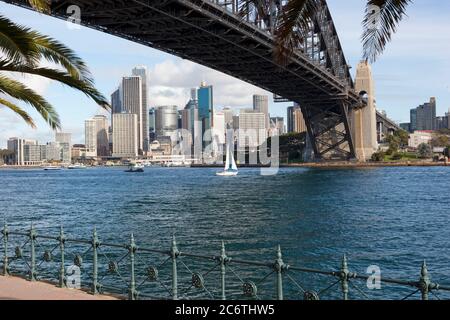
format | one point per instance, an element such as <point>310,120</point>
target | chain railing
<point>135,272</point>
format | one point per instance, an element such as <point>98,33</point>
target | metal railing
<point>144,273</point>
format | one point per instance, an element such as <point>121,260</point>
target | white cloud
<point>171,80</point>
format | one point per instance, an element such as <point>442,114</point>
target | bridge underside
<point>205,32</point>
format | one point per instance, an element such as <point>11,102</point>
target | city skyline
<point>170,76</point>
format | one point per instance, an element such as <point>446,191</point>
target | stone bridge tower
<point>364,121</point>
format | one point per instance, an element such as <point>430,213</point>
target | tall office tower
<point>141,71</point>
<point>299,121</point>
<point>125,135</point>
<point>152,124</point>
<point>102,135</point>
<point>205,110</point>
<point>116,101</point>
<point>425,116</point>
<point>131,91</point>
<point>166,121</point>
<point>219,128</point>
<point>90,137</point>
<point>17,146</point>
<point>252,129</point>
<point>448,119</point>
<point>413,120</point>
<point>290,119</point>
<point>228,113</point>
<point>261,105</point>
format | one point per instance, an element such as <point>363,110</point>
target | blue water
<point>391,217</point>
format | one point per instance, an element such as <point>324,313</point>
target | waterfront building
<point>141,71</point>
<point>218,133</point>
<point>78,152</point>
<point>252,129</point>
<point>261,105</point>
<point>125,135</point>
<point>17,146</point>
<point>205,110</point>
<point>62,137</point>
<point>419,137</point>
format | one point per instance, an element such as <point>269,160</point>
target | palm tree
<point>295,15</point>
<point>23,52</point>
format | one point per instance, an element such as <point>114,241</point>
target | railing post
<point>95,245</point>
<point>344,278</point>
<point>62,269</point>
<point>425,282</point>
<point>223,262</point>
<point>132,248</point>
<point>174,253</point>
<point>32,236</point>
<point>5,250</point>
<point>279,268</point>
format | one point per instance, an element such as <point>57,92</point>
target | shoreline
<point>294,165</point>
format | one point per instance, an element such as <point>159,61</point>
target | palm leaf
<point>19,91</point>
<point>378,30</point>
<point>82,85</point>
<point>40,5</point>
<point>22,113</point>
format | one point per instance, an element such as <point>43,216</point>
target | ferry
<point>135,167</point>
<point>76,166</point>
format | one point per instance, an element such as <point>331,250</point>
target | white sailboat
<point>230,164</point>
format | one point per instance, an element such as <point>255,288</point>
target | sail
<point>227,162</point>
<point>233,162</point>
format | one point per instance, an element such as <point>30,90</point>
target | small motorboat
<point>52,168</point>
<point>135,167</point>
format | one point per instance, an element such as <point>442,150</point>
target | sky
<point>414,67</point>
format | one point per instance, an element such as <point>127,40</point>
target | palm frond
<point>62,77</point>
<point>40,5</point>
<point>293,23</point>
<point>22,113</point>
<point>16,42</point>
<point>19,91</point>
<point>381,20</point>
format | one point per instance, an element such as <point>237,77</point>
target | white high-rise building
<point>252,129</point>
<point>97,137</point>
<point>125,135</point>
<point>141,71</point>
<point>17,146</point>
<point>261,105</point>
<point>90,137</point>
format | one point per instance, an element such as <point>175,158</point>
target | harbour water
<point>394,218</point>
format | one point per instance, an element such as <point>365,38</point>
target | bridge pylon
<point>364,123</point>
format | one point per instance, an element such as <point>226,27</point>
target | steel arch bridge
<point>214,34</point>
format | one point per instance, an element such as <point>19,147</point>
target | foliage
<point>440,140</point>
<point>378,156</point>
<point>424,151</point>
<point>296,15</point>
<point>24,51</point>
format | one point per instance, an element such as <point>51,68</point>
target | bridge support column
<point>364,123</point>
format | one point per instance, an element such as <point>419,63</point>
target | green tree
<point>394,144</point>
<point>403,138</point>
<point>296,15</point>
<point>23,52</point>
<point>424,151</point>
<point>378,156</point>
<point>440,140</point>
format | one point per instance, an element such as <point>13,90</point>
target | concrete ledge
<point>14,288</point>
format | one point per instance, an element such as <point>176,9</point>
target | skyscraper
<point>252,129</point>
<point>141,71</point>
<point>166,121</point>
<point>62,137</point>
<point>17,146</point>
<point>90,137</point>
<point>205,109</point>
<point>125,135</point>
<point>152,124</point>
<point>424,116</point>
<point>261,105</point>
